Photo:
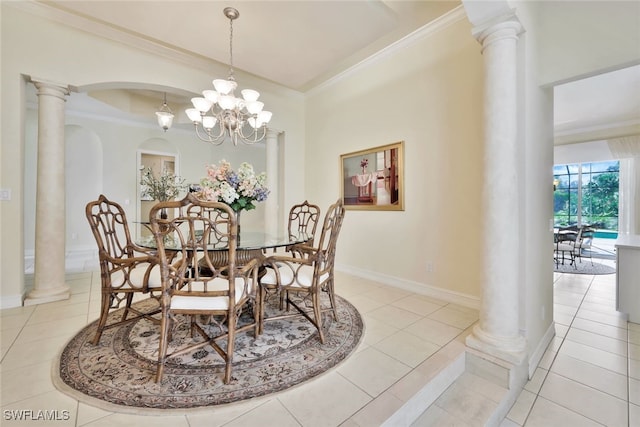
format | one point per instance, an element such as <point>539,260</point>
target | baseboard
<point>11,301</point>
<point>538,353</point>
<point>416,287</point>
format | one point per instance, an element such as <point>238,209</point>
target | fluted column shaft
<point>50,197</point>
<point>271,204</point>
<point>498,330</point>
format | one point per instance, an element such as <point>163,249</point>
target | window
<point>586,193</point>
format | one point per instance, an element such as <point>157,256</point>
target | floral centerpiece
<point>165,187</point>
<point>240,190</point>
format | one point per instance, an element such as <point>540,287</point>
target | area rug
<point>584,268</point>
<point>118,374</point>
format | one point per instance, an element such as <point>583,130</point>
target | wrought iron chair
<point>309,276</point>
<point>565,245</point>
<point>125,268</point>
<point>197,284</point>
<point>583,245</point>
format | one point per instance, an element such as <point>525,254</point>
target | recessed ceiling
<point>297,44</point>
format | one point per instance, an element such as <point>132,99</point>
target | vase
<point>238,224</point>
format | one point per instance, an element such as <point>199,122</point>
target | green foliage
<point>165,187</point>
<point>599,204</point>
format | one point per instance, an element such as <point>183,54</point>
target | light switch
<point>5,194</point>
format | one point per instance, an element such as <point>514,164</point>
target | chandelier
<point>219,114</point>
<point>165,115</point>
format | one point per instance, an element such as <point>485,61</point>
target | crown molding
<point>570,135</point>
<point>438,24</point>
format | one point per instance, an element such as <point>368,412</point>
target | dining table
<point>250,245</point>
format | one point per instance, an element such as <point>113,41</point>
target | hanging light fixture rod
<point>219,115</point>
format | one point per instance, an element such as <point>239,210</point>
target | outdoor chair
<point>583,245</point>
<point>565,246</point>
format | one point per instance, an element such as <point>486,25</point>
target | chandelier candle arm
<point>219,115</point>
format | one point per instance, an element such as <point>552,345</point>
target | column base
<point>38,296</point>
<point>511,349</point>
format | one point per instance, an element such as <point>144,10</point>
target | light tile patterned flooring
<point>587,377</point>
<point>590,374</point>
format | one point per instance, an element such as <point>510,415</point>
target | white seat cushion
<point>302,280</point>
<point>137,276</point>
<point>185,302</point>
<point>564,247</point>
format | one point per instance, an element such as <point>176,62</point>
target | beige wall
<point>427,94</point>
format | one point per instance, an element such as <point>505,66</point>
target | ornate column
<point>50,197</point>
<point>498,330</point>
<point>271,204</point>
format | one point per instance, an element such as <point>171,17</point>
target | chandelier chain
<point>231,49</point>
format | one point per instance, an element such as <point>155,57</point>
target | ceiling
<point>295,43</point>
<point>300,44</point>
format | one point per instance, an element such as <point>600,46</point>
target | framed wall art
<point>373,179</point>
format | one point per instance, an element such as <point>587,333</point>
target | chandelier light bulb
<point>211,95</point>
<point>201,104</point>
<point>250,95</point>
<point>193,114</point>
<point>209,122</point>
<point>254,107</point>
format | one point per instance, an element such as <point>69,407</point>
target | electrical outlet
<point>5,194</point>
<point>429,267</point>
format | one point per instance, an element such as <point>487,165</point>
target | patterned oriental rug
<point>118,374</point>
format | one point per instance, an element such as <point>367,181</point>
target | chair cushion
<point>137,277</point>
<point>302,280</point>
<point>564,247</point>
<point>206,303</point>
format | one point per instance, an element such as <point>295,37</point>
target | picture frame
<point>373,179</point>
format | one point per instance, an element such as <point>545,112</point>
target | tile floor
<point>588,376</point>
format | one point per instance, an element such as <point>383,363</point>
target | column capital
<point>273,133</point>
<point>509,28</point>
<point>46,87</point>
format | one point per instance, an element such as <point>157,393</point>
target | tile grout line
<point>573,317</point>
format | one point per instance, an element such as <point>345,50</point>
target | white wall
<point>427,93</point>
<point>535,134</point>
<point>585,152</point>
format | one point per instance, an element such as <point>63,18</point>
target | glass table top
<point>249,240</point>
